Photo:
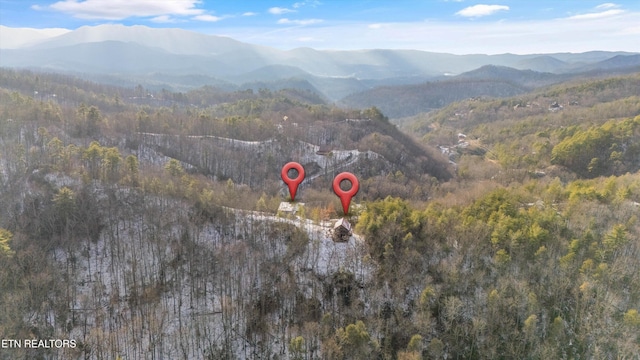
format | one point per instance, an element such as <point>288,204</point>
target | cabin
<point>324,150</point>
<point>342,231</point>
<point>555,106</point>
<point>289,208</point>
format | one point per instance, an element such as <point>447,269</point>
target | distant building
<point>289,208</point>
<point>555,106</point>
<point>324,150</point>
<point>342,231</point>
<point>357,120</point>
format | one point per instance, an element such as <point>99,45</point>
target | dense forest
<point>144,224</point>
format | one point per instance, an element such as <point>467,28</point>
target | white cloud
<point>286,21</point>
<point>481,10</point>
<point>607,6</point>
<point>279,10</point>
<point>631,30</point>
<point>312,3</point>
<point>250,13</point>
<point>601,11</point>
<point>163,19</point>
<point>209,18</point>
<point>597,15</point>
<point>122,9</point>
<point>535,36</point>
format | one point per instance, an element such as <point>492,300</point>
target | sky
<point>452,26</point>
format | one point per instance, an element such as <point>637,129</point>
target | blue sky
<point>455,26</point>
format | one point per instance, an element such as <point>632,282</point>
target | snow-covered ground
<point>305,152</point>
<point>325,256</point>
<point>142,296</point>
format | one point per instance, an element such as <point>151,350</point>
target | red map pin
<point>292,183</point>
<point>345,196</point>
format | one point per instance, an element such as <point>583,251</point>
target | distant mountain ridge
<point>544,63</point>
<point>526,78</point>
<point>616,62</point>
<point>489,80</point>
<point>170,57</point>
<point>407,100</point>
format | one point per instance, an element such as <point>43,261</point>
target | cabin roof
<point>342,222</point>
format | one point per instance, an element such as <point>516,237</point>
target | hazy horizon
<point>456,27</point>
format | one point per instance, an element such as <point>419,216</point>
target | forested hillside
<point>583,129</point>
<point>407,100</point>
<point>144,224</point>
<point>489,81</point>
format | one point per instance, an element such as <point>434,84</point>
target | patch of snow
<point>60,180</point>
<point>191,302</point>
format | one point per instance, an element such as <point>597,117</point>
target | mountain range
<point>178,59</point>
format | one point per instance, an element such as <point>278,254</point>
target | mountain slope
<point>177,41</point>
<point>158,233</point>
<point>618,62</point>
<point>543,63</point>
<point>378,63</point>
<point>400,101</point>
<point>119,50</point>
<point>112,57</point>
<point>526,78</point>
<point>489,81</point>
